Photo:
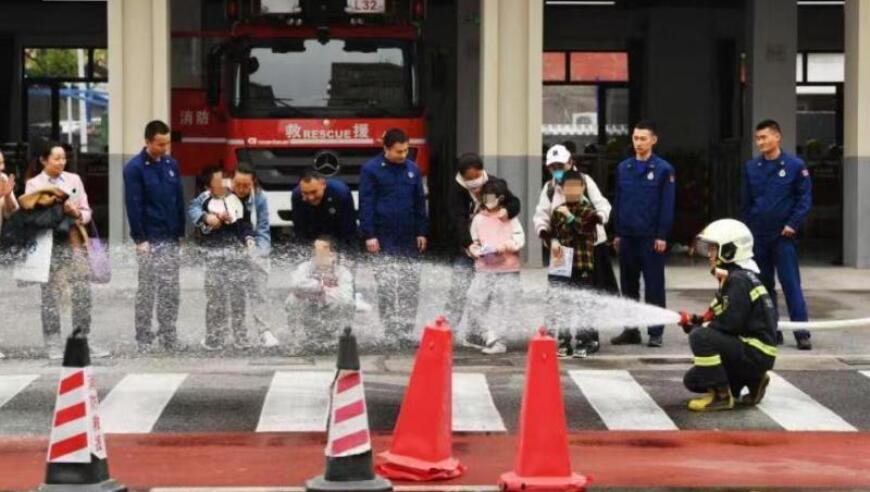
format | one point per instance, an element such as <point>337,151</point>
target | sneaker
<point>629,336</point>
<point>145,348</point>
<point>211,345</point>
<point>473,340</point>
<point>804,343</point>
<point>580,353</point>
<point>268,340</point>
<point>173,346</point>
<point>756,394</point>
<point>495,348</point>
<point>655,341</point>
<point>360,304</point>
<point>242,342</point>
<point>592,347</point>
<point>98,352</point>
<point>712,401</point>
<point>565,351</point>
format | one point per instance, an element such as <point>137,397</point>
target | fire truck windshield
<point>336,78</point>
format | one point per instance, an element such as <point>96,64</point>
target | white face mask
<point>475,184</point>
<point>491,202</point>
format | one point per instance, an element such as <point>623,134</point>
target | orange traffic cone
<point>77,460</point>
<point>543,462</point>
<point>348,447</point>
<point>423,440</point>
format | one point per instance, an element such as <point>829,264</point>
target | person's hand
<point>556,250</point>
<point>143,248</point>
<point>72,210</point>
<point>616,243</point>
<point>502,214</point>
<point>660,246</point>
<point>7,186</point>
<point>564,211</point>
<point>593,217</point>
<point>502,248</point>
<point>422,243</point>
<point>224,217</point>
<point>373,245</point>
<point>545,237</point>
<point>250,243</point>
<point>788,232</point>
<point>213,221</point>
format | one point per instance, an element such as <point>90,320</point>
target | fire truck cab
<point>304,84</point>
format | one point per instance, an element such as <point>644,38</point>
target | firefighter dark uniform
<point>738,345</point>
<point>776,194</point>
<point>644,212</point>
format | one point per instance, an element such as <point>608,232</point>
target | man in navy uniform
<point>644,215</point>
<point>777,196</point>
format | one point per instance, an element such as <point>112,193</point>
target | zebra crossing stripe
<point>12,385</point>
<point>296,402</point>
<point>620,401</point>
<point>794,410</point>
<point>135,404</point>
<point>473,407</point>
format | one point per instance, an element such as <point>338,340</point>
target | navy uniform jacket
<point>644,202</point>
<point>335,216</point>
<point>775,194</point>
<point>392,205</point>
<point>155,198</point>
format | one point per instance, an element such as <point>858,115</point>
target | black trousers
<point>158,291</point>
<point>740,364</point>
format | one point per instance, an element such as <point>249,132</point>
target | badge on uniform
<point>411,175</point>
<point>651,176</point>
<point>782,173</point>
<point>171,173</point>
<point>332,211</point>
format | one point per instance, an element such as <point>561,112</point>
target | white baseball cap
<point>558,154</point>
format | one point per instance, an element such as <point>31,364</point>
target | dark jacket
<point>392,205</point>
<point>155,198</point>
<point>743,308</point>
<point>335,216</point>
<point>461,209</point>
<point>228,236</point>
<point>644,199</point>
<point>22,228</point>
<point>775,194</point>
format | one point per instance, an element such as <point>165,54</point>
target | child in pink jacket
<point>496,287</point>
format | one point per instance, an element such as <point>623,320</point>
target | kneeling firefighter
<point>734,342</point>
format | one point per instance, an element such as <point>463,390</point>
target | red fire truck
<point>302,84</point>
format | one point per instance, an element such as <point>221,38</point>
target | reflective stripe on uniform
<point>708,361</point>
<point>757,292</point>
<point>765,348</point>
<point>718,309</point>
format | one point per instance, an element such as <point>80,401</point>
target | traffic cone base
<point>512,482</point>
<point>106,486</point>
<point>320,484</point>
<point>421,448</point>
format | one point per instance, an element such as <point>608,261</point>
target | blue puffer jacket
<point>392,205</point>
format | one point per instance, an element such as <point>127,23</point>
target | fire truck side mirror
<point>213,78</point>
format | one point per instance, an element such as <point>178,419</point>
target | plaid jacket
<point>578,234</point>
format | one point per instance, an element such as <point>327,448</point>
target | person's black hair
<point>571,146</point>
<point>312,175</point>
<point>768,124</point>
<point>646,125</point>
<point>206,176</point>
<point>245,168</point>
<point>573,175</point>
<point>326,238</point>
<point>154,128</point>
<point>469,160</point>
<point>495,187</point>
<point>394,136</point>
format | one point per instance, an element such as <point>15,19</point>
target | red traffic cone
<point>348,447</point>
<point>77,460</point>
<point>543,462</point>
<point>423,439</point>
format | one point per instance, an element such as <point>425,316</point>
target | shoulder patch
<point>805,172</point>
<point>672,178</point>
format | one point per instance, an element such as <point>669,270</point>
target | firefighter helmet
<point>732,239</point>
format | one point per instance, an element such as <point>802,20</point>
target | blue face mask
<point>558,175</point>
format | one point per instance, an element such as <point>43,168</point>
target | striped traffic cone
<point>77,460</point>
<point>349,463</point>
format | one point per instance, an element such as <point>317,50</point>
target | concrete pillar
<point>772,51</point>
<point>510,101</point>
<point>139,64</point>
<point>856,162</point>
<point>468,88</point>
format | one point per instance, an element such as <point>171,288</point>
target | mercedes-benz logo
<point>326,163</point>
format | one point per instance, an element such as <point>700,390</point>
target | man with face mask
<point>559,161</point>
<point>463,203</point>
<point>321,302</point>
